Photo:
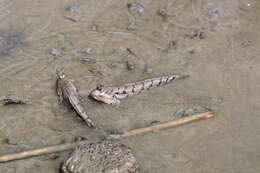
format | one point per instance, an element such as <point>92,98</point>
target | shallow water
<point>216,42</point>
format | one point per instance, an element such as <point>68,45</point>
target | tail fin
<point>183,77</point>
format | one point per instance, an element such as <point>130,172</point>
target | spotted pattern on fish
<point>67,91</point>
<point>113,95</point>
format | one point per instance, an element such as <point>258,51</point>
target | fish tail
<point>183,77</point>
<point>87,120</point>
<point>168,79</point>
<point>84,116</point>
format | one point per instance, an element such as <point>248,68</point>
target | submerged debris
<point>172,45</point>
<point>55,52</point>
<point>8,142</point>
<point>88,60</point>
<point>72,13</point>
<point>131,26</point>
<point>93,27</point>
<point>135,8</point>
<point>95,71</point>
<point>196,34</point>
<point>106,157</point>
<point>86,50</point>
<point>219,15</point>
<point>247,43</point>
<point>131,56</point>
<point>164,14</point>
<point>73,18</point>
<point>188,111</point>
<point>154,122</point>
<point>148,69</point>
<point>130,64</point>
<point>79,138</point>
<point>73,7</point>
<point>9,42</point>
<point>10,101</point>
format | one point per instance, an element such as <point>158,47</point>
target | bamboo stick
<point>43,150</point>
<point>68,146</point>
<point>169,124</point>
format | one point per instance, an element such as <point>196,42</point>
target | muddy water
<point>216,42</point>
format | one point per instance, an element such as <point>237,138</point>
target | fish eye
<point>99,87</point>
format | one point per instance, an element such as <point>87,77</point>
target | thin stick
<point>169,124</point>
<point>44,150</point>
<point>68,146</point>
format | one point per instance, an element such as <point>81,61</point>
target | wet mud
<point>216,42</point>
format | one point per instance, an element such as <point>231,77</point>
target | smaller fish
<point>68,91</point>
<point>113,94</point>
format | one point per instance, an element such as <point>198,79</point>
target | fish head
<point>60,74</point>
<point>102,96</point>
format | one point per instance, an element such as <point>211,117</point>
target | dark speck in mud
<point>135,8</point>
<point>172,45</point>
<point>154,122</point>
<point>164,14</point>
<point>192,51</point>
<point>79,138</point>
<point>10,101</point>
<point>72,8</point>
<point>8,142</point>
<point>196,34</point>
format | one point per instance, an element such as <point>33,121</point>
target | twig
<point>169,124</point>
<point>44,150</point>
<point>68,146</point>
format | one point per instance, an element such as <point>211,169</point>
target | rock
<point>103,157</point>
